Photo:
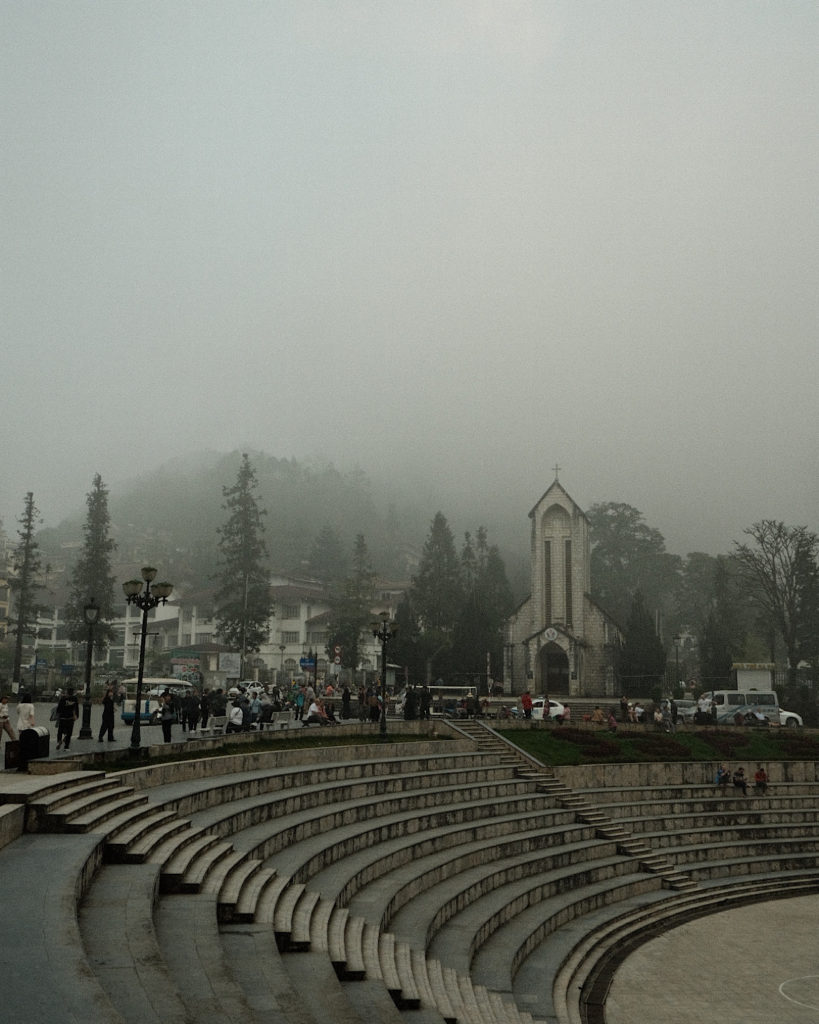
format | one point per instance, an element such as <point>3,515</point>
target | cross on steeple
<point>557,470</point>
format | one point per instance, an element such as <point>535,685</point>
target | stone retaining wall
<point>677,773</point>
<point>181,771</point>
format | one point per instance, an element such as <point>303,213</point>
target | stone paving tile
<point>757,964</point>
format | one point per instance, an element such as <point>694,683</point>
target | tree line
<point>760,602</point>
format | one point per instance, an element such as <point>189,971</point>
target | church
<point>558,641</point>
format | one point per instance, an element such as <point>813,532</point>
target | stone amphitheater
<point>450,878</point>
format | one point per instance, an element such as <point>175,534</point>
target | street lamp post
<point>676,664</point>
<point>384,630</point>
<point>145,600</point>
<point>90,613</point>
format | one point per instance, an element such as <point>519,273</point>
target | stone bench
<point>338,830</point>
<point>277,720</point>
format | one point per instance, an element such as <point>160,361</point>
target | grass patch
<point>583,746</point>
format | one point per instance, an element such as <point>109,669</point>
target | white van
<point>729,703</point>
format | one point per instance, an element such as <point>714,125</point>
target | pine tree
<point>242,599</point>
<point>437,597</point>
<point>24,582</point>
<point>92,576</point>
<point>486,603</point>
<point>436,589</point>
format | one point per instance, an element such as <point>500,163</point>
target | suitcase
<point>12,753</point>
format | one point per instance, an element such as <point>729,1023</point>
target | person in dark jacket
<point>107,725</point>
<point>68,711</point>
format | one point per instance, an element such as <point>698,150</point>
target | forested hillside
<point>172,516</point>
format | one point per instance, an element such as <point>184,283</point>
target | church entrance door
<point>554,670</point>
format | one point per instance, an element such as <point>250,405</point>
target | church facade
<point>558,640</point>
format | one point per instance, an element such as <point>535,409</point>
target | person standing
<point>5,721</point>
<point>166,716</point>
<point>107,725</point>
<point>526,704</point>
<point>68,710</point>
<point>192,706</point>
<point>425,701</point>
<point>25,713</point>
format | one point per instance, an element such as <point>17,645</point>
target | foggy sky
<point>455,240</point>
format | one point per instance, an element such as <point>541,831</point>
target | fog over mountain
<point>453,243</point>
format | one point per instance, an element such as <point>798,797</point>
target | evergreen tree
<point>242,599</point>
<point>642,658</point>
<point>716,654</point>
<point>24,581</point>
<point>351,608</point>
<point>92,576</point>
<point>486,603</point>
<point>436,589</point>
<point>436,596</point>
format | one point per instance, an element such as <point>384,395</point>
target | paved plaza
<point>757,964</point>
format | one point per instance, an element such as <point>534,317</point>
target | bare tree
<point>780,565</point>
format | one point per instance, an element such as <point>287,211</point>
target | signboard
<point>230,664</point>
<point>307,663</point>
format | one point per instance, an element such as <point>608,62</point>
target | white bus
<point>152,689</point>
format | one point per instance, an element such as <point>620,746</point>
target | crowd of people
<point>246,707</point>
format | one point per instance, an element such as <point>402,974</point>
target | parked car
<point>555,709</point>
<point>789,718</point>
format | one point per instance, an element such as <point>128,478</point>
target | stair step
<point>202,865</point>
<point>139,850</point>
<point>103,812</point>
<point>269,898</point>
<point>410,993</point>
<point>239,874</point>
<point>336,947</point>
<point>247,905</point>
<point>354,947</point>
<point>283,914</point>
<point>302,918</point>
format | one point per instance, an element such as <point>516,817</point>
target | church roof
<point>558,488</point>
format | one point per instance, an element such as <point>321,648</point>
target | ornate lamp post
<point>146,600</point>
<point>384,630</point>
<point>90,613</point>
<point>677,641</point>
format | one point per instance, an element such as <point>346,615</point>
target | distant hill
<point>171,516</point>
